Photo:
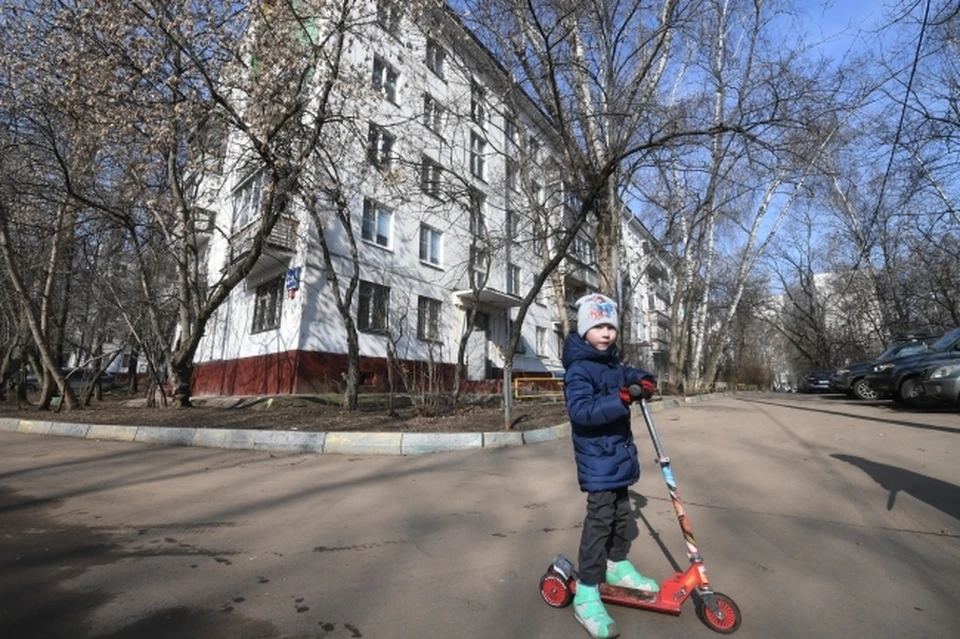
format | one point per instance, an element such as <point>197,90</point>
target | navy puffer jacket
<point>602,440</point>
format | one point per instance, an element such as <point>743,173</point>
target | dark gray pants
<point>604,534</point>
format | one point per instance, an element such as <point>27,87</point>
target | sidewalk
<point>297,442</point>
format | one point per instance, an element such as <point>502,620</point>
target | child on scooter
<point>598,403</point>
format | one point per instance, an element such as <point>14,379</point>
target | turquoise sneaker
<point>590,612</point>
<point>622,573</point>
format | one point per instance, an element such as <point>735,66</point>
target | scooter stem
<point>692,552</point>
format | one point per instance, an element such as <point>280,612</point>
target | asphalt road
<point>820,517</point>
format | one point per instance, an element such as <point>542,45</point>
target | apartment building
<point>457,179</point>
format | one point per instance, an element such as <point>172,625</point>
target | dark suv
<point>853,379</point>
<point>901,376</point>
<point>816,382</point>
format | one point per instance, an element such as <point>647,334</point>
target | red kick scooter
<point>716,610</point>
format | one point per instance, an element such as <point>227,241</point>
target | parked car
<point>853,379</point>
<point>901,377</point>
<point>816,382</point>
<point>943,381</point>
<point>80,379</point>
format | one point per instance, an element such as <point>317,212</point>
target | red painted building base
<point>299,373</point>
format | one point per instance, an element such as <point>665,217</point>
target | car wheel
<point>862,390</point>
<point>911,392</point>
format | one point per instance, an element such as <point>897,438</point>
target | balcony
<point>280,245</point>
<point>581,274</point>
<point>662,319</point>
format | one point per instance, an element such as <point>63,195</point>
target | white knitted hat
<point>595,309</point>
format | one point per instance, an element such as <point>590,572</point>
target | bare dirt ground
<point>298,413</point>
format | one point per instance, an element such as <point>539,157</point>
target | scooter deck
<point>637,599</point>
<point>632,598</point>
<point>620,594</point>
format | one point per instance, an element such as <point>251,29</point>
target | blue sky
<point>837,22</point>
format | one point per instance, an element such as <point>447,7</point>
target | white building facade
<point>455,182</point>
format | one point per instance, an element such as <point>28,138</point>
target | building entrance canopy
<point>487,297</point>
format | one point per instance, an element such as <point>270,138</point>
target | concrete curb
<point>300,442</point>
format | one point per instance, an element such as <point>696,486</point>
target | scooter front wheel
<point>555,590</point>
<point>731,614</point>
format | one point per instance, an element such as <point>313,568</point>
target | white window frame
<point>380,144</point>
<point>373,307</point>
<point>538,239</point>
<point>513,279</point>
<point>479,266</point>
<point>511,173</point>
<point>478,105</point>
<point>429,312</point>
<point>433,114</point>
<point>431,245</point>
<point>377,219</point>
<point>431,177</point>
<point>247,199</point>
<point>389,14</point>
<point>385,78</point>
<point>509,132</point>
<point>584,249</point>
<point>533,149</point>
<point>267,306</point>
<point>478,152</point>
<point>478,216</point>
<point>541,341</point>
<point>511,225</point>
<point>436,58</point>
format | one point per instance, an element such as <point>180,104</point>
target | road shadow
<point>636,514</point>
<point>942,495</point>
<point>897,422</point>
<point>40,555</point>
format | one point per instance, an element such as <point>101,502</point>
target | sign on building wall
<point>293,281</point>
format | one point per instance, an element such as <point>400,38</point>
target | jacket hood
<point>575,348</point>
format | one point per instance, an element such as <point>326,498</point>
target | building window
<point>478,222</point>
<point>432,114</point>
<point>513,279</point>
<point>373,306</point>
<point>512,171</point>
<point>538,238</point>
<point>478,151</point>
<point>512,225</point>
<point>478,105</point>
<point>431,177</point>
<point>535,193</point>
<point>430,245</point>
<point>479,267</point>
<point>380,147</point>
<point>533,149</point>
<point>571,199</point>
<point>428,319</point>
<point>541,341</point>
<point>385,78</point>
<point>509,131</point>
<point>521,345</point>
<point>436,57</point>
<point>388,15</point>
<point>247,199</point>
<point>267,304</point>
<point>584,249</point>
<point>377,223</point>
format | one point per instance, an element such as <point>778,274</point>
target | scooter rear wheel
<point>555,590</point>
<point>731,614</point>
